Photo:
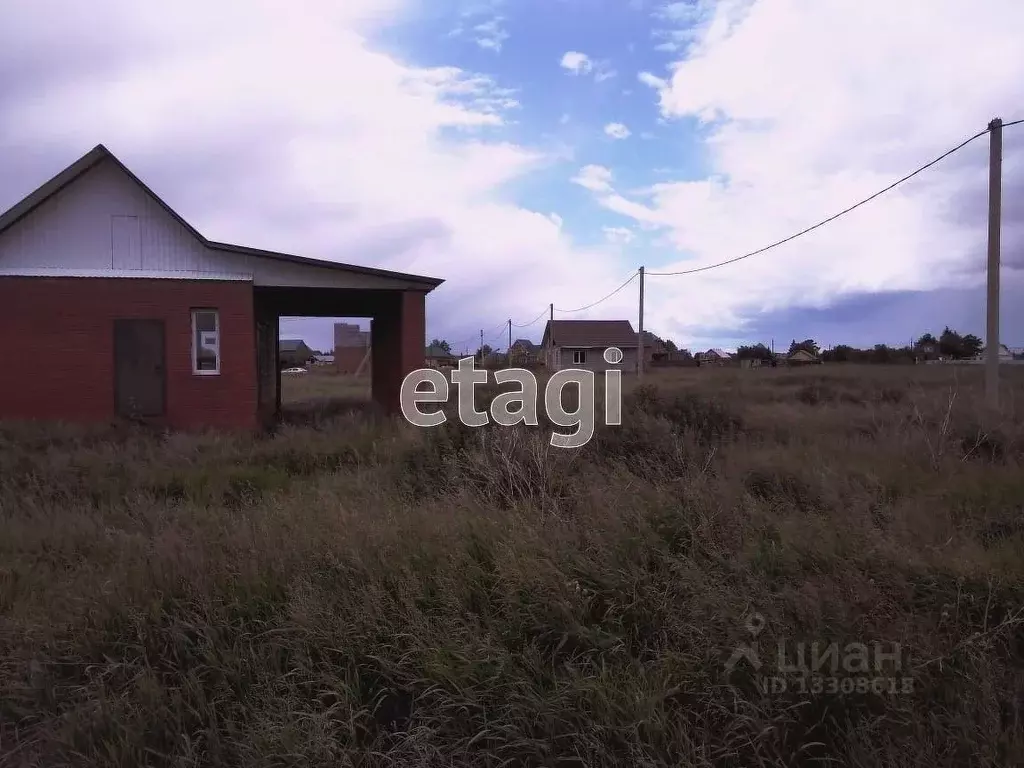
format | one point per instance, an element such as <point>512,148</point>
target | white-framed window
<point>579,357</point>
<point>205,342</point>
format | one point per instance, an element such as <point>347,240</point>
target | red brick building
<point>352,347</point>
<point>112,305</point>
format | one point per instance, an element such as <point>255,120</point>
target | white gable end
<point>102,220</point>
<point>104,223</point>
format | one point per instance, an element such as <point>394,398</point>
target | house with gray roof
<point>294,352</point>
<point>582,344</point>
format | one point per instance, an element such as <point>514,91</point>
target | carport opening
<point>326,366</point>
<point>396,342</point>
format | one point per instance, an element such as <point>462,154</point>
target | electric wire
<point>527,325</point>
<point>602,300</point>
<point>768,247</point>
<point>830,219</point>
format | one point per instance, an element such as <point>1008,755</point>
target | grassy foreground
<point>353,591</point>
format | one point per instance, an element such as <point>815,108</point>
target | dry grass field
<point>353,591</point>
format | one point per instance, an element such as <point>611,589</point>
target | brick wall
<point>58,348</point>
<point>399,330</point>
<point>350,347</point>
<point>347,359</point>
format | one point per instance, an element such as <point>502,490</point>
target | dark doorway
<point>139,376</point>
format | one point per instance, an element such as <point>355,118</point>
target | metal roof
<point>590,333</point>
<point>99,153</point>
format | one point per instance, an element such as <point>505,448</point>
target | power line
<point>775,244</point>
<point>832,218</point>
<point>504,325</point>
<point>599,301</point>
<point>527,325</point>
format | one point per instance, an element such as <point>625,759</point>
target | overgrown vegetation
<point>353,591</point>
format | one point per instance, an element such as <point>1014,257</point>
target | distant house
<point>352,348</point>
<point>582,343</point>
<point>654,348</point>
<point>802,357</point>
<point>437,356</point>
<point>713,356</point>
<point>323,359</point>
<point>983,352</point>
<point>523,352</point>
<point>293,352</point>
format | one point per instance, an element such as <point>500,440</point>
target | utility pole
<point>481,348</point>
<point>995,194</point>
<point>551,311</point>
<point>640,333</point>
<point>508,352</point>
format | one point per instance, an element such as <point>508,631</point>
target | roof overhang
<point>403,280</point>
<point>99,153</point>
<point>138,274</point>
<point>634,345</point>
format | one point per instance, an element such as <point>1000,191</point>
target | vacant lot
<point>352,591</point>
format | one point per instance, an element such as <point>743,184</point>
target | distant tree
<point>972,345</point>
<point>841,353</point>
<point>484,351</point>
<point>882,353</point>
<point>926,339</point>
<point>753,352</point>
<point>951,344</point>
<point>807,344</point>
<point>905,354</point>
<point>442,344</point>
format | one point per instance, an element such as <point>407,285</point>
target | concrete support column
<point>398,339</point>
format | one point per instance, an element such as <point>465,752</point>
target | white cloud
<point>686,21</point>
<point>490,35</point>
<point>281,126</point>
<point>619,235</point>
<point>596,178</point>
<point>557,219</point>
<point>580,64</point>
<point>617,131</point>
<point>809,107</point>
<point>651,80</point>
<point>577,63</point>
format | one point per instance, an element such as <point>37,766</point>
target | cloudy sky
<point>538,151</point>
